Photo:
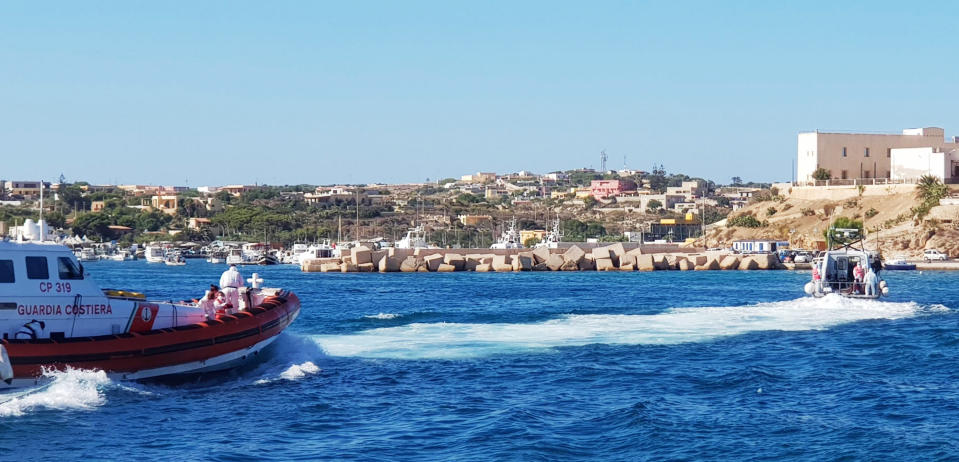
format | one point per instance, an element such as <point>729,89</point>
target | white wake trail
<point>678,325</point>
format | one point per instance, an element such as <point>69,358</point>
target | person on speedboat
<point>872,283</point>
<point>208,303</point>
<point>231,282</point>
<point>859,274</point>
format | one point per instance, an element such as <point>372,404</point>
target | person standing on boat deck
<point>859,274</point>
<point>208,304</point>
<point>231,281</point>
<point>877,265</point>
<point>872,283</point>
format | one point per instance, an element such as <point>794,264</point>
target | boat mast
<point>40,223</point>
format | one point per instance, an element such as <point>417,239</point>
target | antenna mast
<point>602,160</point>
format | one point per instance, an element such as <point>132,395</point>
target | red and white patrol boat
<point>52,315</point>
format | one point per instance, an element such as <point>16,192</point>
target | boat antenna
<point>40,222</point>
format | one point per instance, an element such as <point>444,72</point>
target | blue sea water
<point>534,366</point>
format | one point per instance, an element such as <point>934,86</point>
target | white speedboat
<point>846,270</point>
<point>174,259</point>
<point>88,254</point>
<point>154,254</point>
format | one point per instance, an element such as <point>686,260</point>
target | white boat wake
<point>674,326</point>
<point>66,390</point>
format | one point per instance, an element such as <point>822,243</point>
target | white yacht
<point>88,254</point>
<point>509,239</point>
<point>154,254</point>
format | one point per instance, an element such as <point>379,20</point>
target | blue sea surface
<point>533,366</point>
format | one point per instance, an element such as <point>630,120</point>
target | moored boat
<point>898,264</point>
<point>54,316</point>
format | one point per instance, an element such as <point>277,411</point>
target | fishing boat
<point>414,239</point>
<point>552,237</point>
<point>54,316</point>
<point>509,239</point>
<point>898,264</point>
<point>835,272</point>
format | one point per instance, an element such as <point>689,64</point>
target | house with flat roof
<point>861,155</point>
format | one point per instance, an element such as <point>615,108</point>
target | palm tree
<point>929,190</point>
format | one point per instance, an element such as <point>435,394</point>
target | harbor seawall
<point>615,257</point>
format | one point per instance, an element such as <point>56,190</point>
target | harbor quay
<point>615,257</point>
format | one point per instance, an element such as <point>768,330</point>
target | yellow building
<point>527,234</point>
<point>473,220</point>
<point>582,193</point>
<point>166,203</point>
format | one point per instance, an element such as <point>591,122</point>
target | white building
<point>861,155</point>
<point>909,164</point>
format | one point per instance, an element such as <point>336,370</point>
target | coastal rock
<point>574,254</point>
<point>730,262</point>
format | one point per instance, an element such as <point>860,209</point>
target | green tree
<point>531,241</point>
<point>654,204</point>
<point>821,174</point>
<point>844,223</point>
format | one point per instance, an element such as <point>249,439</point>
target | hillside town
<point>863,176</point>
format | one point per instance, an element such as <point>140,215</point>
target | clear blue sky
<point>326,92</point>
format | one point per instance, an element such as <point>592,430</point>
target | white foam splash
<point>294,372</point>
<point>298,371</point>
<point>382,316</point>
<point>69,389</point>
<point>679,325</point>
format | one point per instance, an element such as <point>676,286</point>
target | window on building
<point>68,269</point>
<point>6,271</point>
<point>867,152</point>
<point>37,268</point>
<point>844,151</point>
<point>845,174</point>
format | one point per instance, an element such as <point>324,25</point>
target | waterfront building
<point>861,155</point>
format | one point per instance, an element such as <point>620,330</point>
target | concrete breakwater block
<point>329,268</point>
<point>455,260</point>
<point>348,268</point>
<point>729,262</point>
<point>555,262</point>
<point>389,264</point>
<point>540,255</point>
<point>361,254</point>
<point>685,265</point>
<point>484,268</point>
<point>574,254</point>
<point>433,262</point>
<point>365,267</point>
<point>645,263</point>
<point>710,265</point>
<point>523,261</point>
<point>748,263</point>
<point>444,268</point>
<point>408,265</point>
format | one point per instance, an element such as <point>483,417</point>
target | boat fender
<point>810,288</point>
<point>885,291</point>
<point>6,370</point>
<point>29,331</point>
<point>882,284</point>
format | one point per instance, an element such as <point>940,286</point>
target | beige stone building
<point>859,155</point>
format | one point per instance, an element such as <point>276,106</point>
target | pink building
<point>606,188</point>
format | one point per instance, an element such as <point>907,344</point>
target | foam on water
<point>382,316</point>
<point>294,372</point>
<point>678,325</point>
<point>68,390</point>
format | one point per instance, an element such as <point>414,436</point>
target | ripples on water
<point>542,366</point>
